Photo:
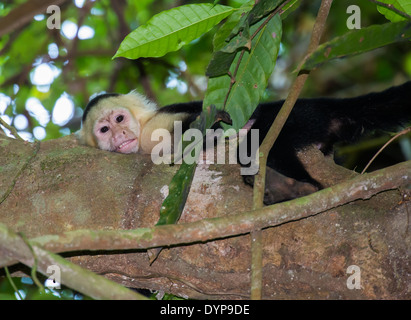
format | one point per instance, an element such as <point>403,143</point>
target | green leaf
<point>243,39</point>
<point>226,43</point>
<point>261,9</point>
<point>253,72</point>
<point>7,296</point>
<point>219,40</point>
<point>222,58</point>
<point>401,5</point>
<point>179,188</point>
<point>170,30</point>
<point>290,8</point>
<point>359,41</point>
<point>220,63</point>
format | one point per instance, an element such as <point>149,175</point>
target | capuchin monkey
<point>124,123</point>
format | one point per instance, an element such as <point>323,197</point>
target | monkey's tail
<point>386,110</point>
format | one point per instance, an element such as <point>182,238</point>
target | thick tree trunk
<point>57,187</point>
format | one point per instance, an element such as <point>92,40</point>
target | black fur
<point>325,121</point>
<point>193,109</point>
<point>93,102</point>
<point>321,121</point>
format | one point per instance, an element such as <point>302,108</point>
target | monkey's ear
<point>134,93</point>
<point>142,101</point>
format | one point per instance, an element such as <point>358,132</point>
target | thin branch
<point>12,130</point>
<point>391,7</point>
<point>77,278</point>
<point>233,76</point>
<point>33,272</point>
<point>13,285</point>
<point>405,131</point>
<point>23,14</point>
<point>271,137</point>
<point>72,51</point>
<point>288,105</point>
<point>256,247</point>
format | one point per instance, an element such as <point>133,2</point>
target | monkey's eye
<point>120,118</point>
<point>104,129</point>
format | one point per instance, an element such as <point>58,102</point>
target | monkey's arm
<point>166,118</point>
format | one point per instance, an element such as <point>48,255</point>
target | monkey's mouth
<point>127,146</point>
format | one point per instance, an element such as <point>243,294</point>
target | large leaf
<point>260,9</point>
<point>170,30</point>
<point>179,188</point>
<point>401,5</point>
<point>228,39</point>
<point>359,41</point>
<point>221,61</point>
<point>289,8</point>
<point>219,40</point>
<point>251,79</point>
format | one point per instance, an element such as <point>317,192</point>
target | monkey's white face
<point>118,131</point>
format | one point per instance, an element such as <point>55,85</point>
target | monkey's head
<point>113,121</point>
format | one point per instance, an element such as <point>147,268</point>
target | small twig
<point>13,285</point>
<point>72,51</point>
<point>292,97</point>
<point>12,130</point>
<point>391,7</point>
<point>35,261</point>
<point>75,276</point>
<point>256,237</point>
<point>405,131</point>
<point>271,137</point>
<point>270,16</point>
<point>232,78</point>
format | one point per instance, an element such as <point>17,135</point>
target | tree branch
<point>12,130</point>
<point>23,14</point>
<point>362,187</point>
<point>77,278</point>
<point>273,133</point>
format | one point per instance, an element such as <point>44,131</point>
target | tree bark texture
<point>57,186</point>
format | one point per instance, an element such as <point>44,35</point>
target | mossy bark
<point>57,186</point>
